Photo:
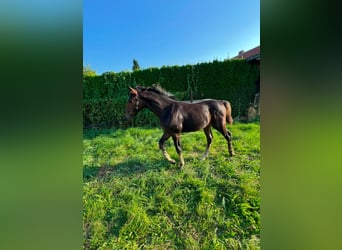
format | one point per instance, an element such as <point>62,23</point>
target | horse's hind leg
<point>229,140</point>
<point>162,147</point>
<point>209,136</point>
<point>228,136</point>
<point>176,140</point>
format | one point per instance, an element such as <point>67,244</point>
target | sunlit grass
<point>135,199</point>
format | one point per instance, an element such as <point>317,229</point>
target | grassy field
<point>134,199</point>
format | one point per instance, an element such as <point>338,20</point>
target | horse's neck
<point>156,103</point>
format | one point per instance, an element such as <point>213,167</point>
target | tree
<point>135,65</point>
<point>87,71</point>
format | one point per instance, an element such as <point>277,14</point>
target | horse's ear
<point>132,91</point>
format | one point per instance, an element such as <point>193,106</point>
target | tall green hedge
<point>105,96</point>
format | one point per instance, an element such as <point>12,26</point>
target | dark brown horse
<point>177,117</point>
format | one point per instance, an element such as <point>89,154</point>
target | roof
<point>249,54</point>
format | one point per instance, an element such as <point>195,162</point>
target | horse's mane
<point>156,88</point>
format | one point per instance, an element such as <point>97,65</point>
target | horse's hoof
<point>204,157</point>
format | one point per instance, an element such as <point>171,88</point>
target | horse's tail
<point>229,117</point>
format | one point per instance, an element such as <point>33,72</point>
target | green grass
<point>134,199</point>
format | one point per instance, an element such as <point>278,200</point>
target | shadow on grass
<point>132,167</point>
<point>92,133</point>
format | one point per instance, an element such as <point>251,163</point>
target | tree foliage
<point>105,96</point>
<point>136,66</point>
<point>87,71</point>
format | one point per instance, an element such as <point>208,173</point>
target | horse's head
<point>133,104</point>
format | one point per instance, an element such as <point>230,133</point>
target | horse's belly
<point>190,125</point>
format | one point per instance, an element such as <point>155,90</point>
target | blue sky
<point>165,32</point>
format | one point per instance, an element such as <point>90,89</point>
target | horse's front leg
<point>176,140</point>
<point>162,147</point>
